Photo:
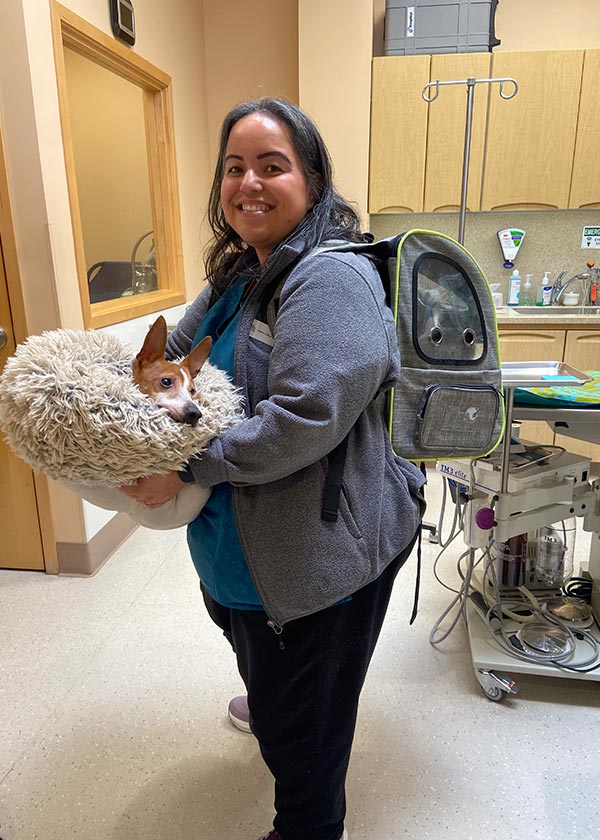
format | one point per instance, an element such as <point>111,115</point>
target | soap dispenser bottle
<point>514,288</point>
<point>526,297</point>
<point>544,292</point>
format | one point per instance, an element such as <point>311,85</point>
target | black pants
<point>303,692</point>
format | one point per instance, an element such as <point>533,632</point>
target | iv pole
<point>470,83</point>
<point>494,685</point>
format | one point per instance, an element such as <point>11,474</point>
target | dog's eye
<point>166,381</point>
<point>193,392</point>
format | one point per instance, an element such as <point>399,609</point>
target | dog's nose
<point>192,414</point>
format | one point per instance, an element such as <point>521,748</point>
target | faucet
<point>559,290</point>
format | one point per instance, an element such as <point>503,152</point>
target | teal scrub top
<point>213,536</point>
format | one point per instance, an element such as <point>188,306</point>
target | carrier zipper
<point>430,391</point>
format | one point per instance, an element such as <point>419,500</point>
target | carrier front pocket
<point>466,418</point>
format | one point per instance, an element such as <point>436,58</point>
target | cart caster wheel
<point>494,693</point>
<point>496,686</point>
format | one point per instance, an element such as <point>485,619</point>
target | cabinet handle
<point>3,338</point>
<point>395,208</point>
<point>522,206</point>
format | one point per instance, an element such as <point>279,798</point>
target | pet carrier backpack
<point>447,402</point>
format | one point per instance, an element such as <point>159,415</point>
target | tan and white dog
<point>169,384</point>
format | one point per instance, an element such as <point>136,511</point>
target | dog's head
<point>169,384</point>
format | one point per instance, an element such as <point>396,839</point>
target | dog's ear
<point>154,343</point>
<point>195,359</point>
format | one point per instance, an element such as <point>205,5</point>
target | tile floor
<point>113,692</point>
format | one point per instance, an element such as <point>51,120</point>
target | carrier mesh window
<point>447,318</point>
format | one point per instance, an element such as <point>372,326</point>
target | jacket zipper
<point>244,303</point>
<point>278,630</point>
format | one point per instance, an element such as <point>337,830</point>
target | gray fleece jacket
<point>333,351</point>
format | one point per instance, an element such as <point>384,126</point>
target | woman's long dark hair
<point>332,217</point>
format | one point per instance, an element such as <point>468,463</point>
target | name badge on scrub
<point>261,332</point>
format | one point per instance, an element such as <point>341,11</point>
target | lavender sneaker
<point>239,715</point>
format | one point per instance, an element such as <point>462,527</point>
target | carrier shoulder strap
<point>273,302</point>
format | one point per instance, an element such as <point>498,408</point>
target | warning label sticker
<point>590,237</point>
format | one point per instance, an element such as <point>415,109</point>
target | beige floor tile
<point>112,712</point>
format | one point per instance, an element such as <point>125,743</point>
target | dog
<point>169,384</point>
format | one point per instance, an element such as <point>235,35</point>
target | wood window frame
<point>70,30</point>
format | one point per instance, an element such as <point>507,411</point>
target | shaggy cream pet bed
<point>70,409</point>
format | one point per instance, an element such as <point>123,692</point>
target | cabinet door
<point>531,138</point>
<point>533,346</point>
<point>446,132</point>
<point>582,350</point>
<point>398,134</point>
<point>585,185</point>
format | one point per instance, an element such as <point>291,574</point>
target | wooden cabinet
<point>398,134</point>
<point>533,346</point>
<point>582,350</point>
<point>585,183</point>
<point>446,133</point>
<point>531,138</point>
<point>416,153</point>
<point>538,150</point>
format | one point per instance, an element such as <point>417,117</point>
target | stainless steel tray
<point>541,375</point>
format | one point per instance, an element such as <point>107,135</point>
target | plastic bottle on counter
<point>496,295</point>
<point>514,288</point>
<point>593,294</point>
<point>526,298</point>
<point>544,291</point>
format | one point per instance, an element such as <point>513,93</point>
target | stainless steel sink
<point>563,311</point>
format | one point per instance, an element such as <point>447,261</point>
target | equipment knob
<point>484,518</point>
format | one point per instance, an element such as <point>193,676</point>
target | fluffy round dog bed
<point>70,409</point>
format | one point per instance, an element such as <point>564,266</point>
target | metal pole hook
<point>510,95</point>
<point>436,85</point>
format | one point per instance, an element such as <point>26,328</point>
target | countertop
<point>572,317</point>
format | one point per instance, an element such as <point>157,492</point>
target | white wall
<point>170,35</point>
<point>335,49</point>
<point>548,24</point>
<point>251,50</point>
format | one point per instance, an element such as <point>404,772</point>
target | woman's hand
<point>154,490</point>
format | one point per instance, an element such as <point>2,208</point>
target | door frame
<point>8,246</point>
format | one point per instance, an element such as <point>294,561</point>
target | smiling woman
<point>282,544</point>
<point>264,192</point>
